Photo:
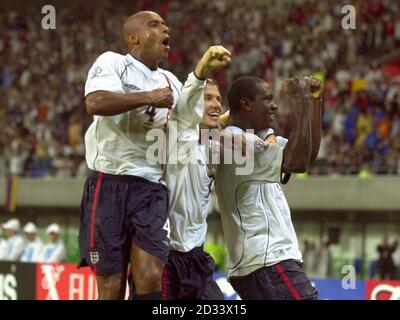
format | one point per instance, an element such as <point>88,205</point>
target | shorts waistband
<point>194,251</point>
<point>126,178</point>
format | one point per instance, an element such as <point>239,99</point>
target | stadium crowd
<point>42,73</point>
<point>26,245</point>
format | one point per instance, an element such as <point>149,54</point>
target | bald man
<point>124,208</point>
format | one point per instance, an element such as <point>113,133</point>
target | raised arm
<point>297,153</point>
<point>316,117</point>
<point>190,106</point>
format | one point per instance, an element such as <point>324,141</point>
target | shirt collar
<point>142,66</point>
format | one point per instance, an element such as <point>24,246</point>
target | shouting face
<point>148,35</point>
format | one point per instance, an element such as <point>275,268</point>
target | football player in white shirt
<point>189,271</point>
<point>124,207</point>
<point>264,258</point>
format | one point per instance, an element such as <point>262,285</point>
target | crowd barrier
<point>63,281</point>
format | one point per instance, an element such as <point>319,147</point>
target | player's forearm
<point>190,105</point>
<point>106,103</point>
<point>316,126</point>
<point>296,155</point>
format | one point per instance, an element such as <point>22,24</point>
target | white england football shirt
<point>255,215</point>
<point>189,179</point>
<point>118,144</point>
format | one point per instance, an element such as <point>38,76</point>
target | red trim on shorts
<point>164,283</point>
<point>287,281</point>
<point>94,208</point>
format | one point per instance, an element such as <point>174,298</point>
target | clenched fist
<point>305,85</point>
<point>161,98</point>
<point>315,86</point>
<point>215,57</point>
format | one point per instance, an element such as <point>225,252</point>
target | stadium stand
<point>42,117</point>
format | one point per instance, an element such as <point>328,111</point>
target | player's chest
<point>149,116</point>
<point>201,170</point>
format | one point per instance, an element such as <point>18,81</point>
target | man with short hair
<point>124,209</point>
<point>189,271</point>
<point>125,203</point>
<point>385,264</point>
<point>264,259</point>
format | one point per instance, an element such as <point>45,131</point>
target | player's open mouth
<point>214,115</point>
<point>165,42</point>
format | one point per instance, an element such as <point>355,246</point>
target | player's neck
<point>147,61</point>
<point>236,121</point>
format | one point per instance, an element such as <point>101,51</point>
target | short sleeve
<point>103,75</point>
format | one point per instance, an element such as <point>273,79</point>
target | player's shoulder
<point>172,77</point>
<point>232,129</point>
<point>111,55</point>
<point>111,58</point>
<point>249,135</point>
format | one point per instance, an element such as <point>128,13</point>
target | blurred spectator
<point>386,267</point>
<point>324,264</point>
<point>34,245</point>
<point>15,242</point>
<point>3,246</point>
<point>310,257</point>
<point>53,250</point>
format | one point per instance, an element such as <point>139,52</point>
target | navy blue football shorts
<point>189,276</point>
<point>116,212</point>
<point>285,280</point>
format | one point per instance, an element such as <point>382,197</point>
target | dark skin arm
<point>297,153</point>
<point>316,117</point>
<point>107,103</point>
